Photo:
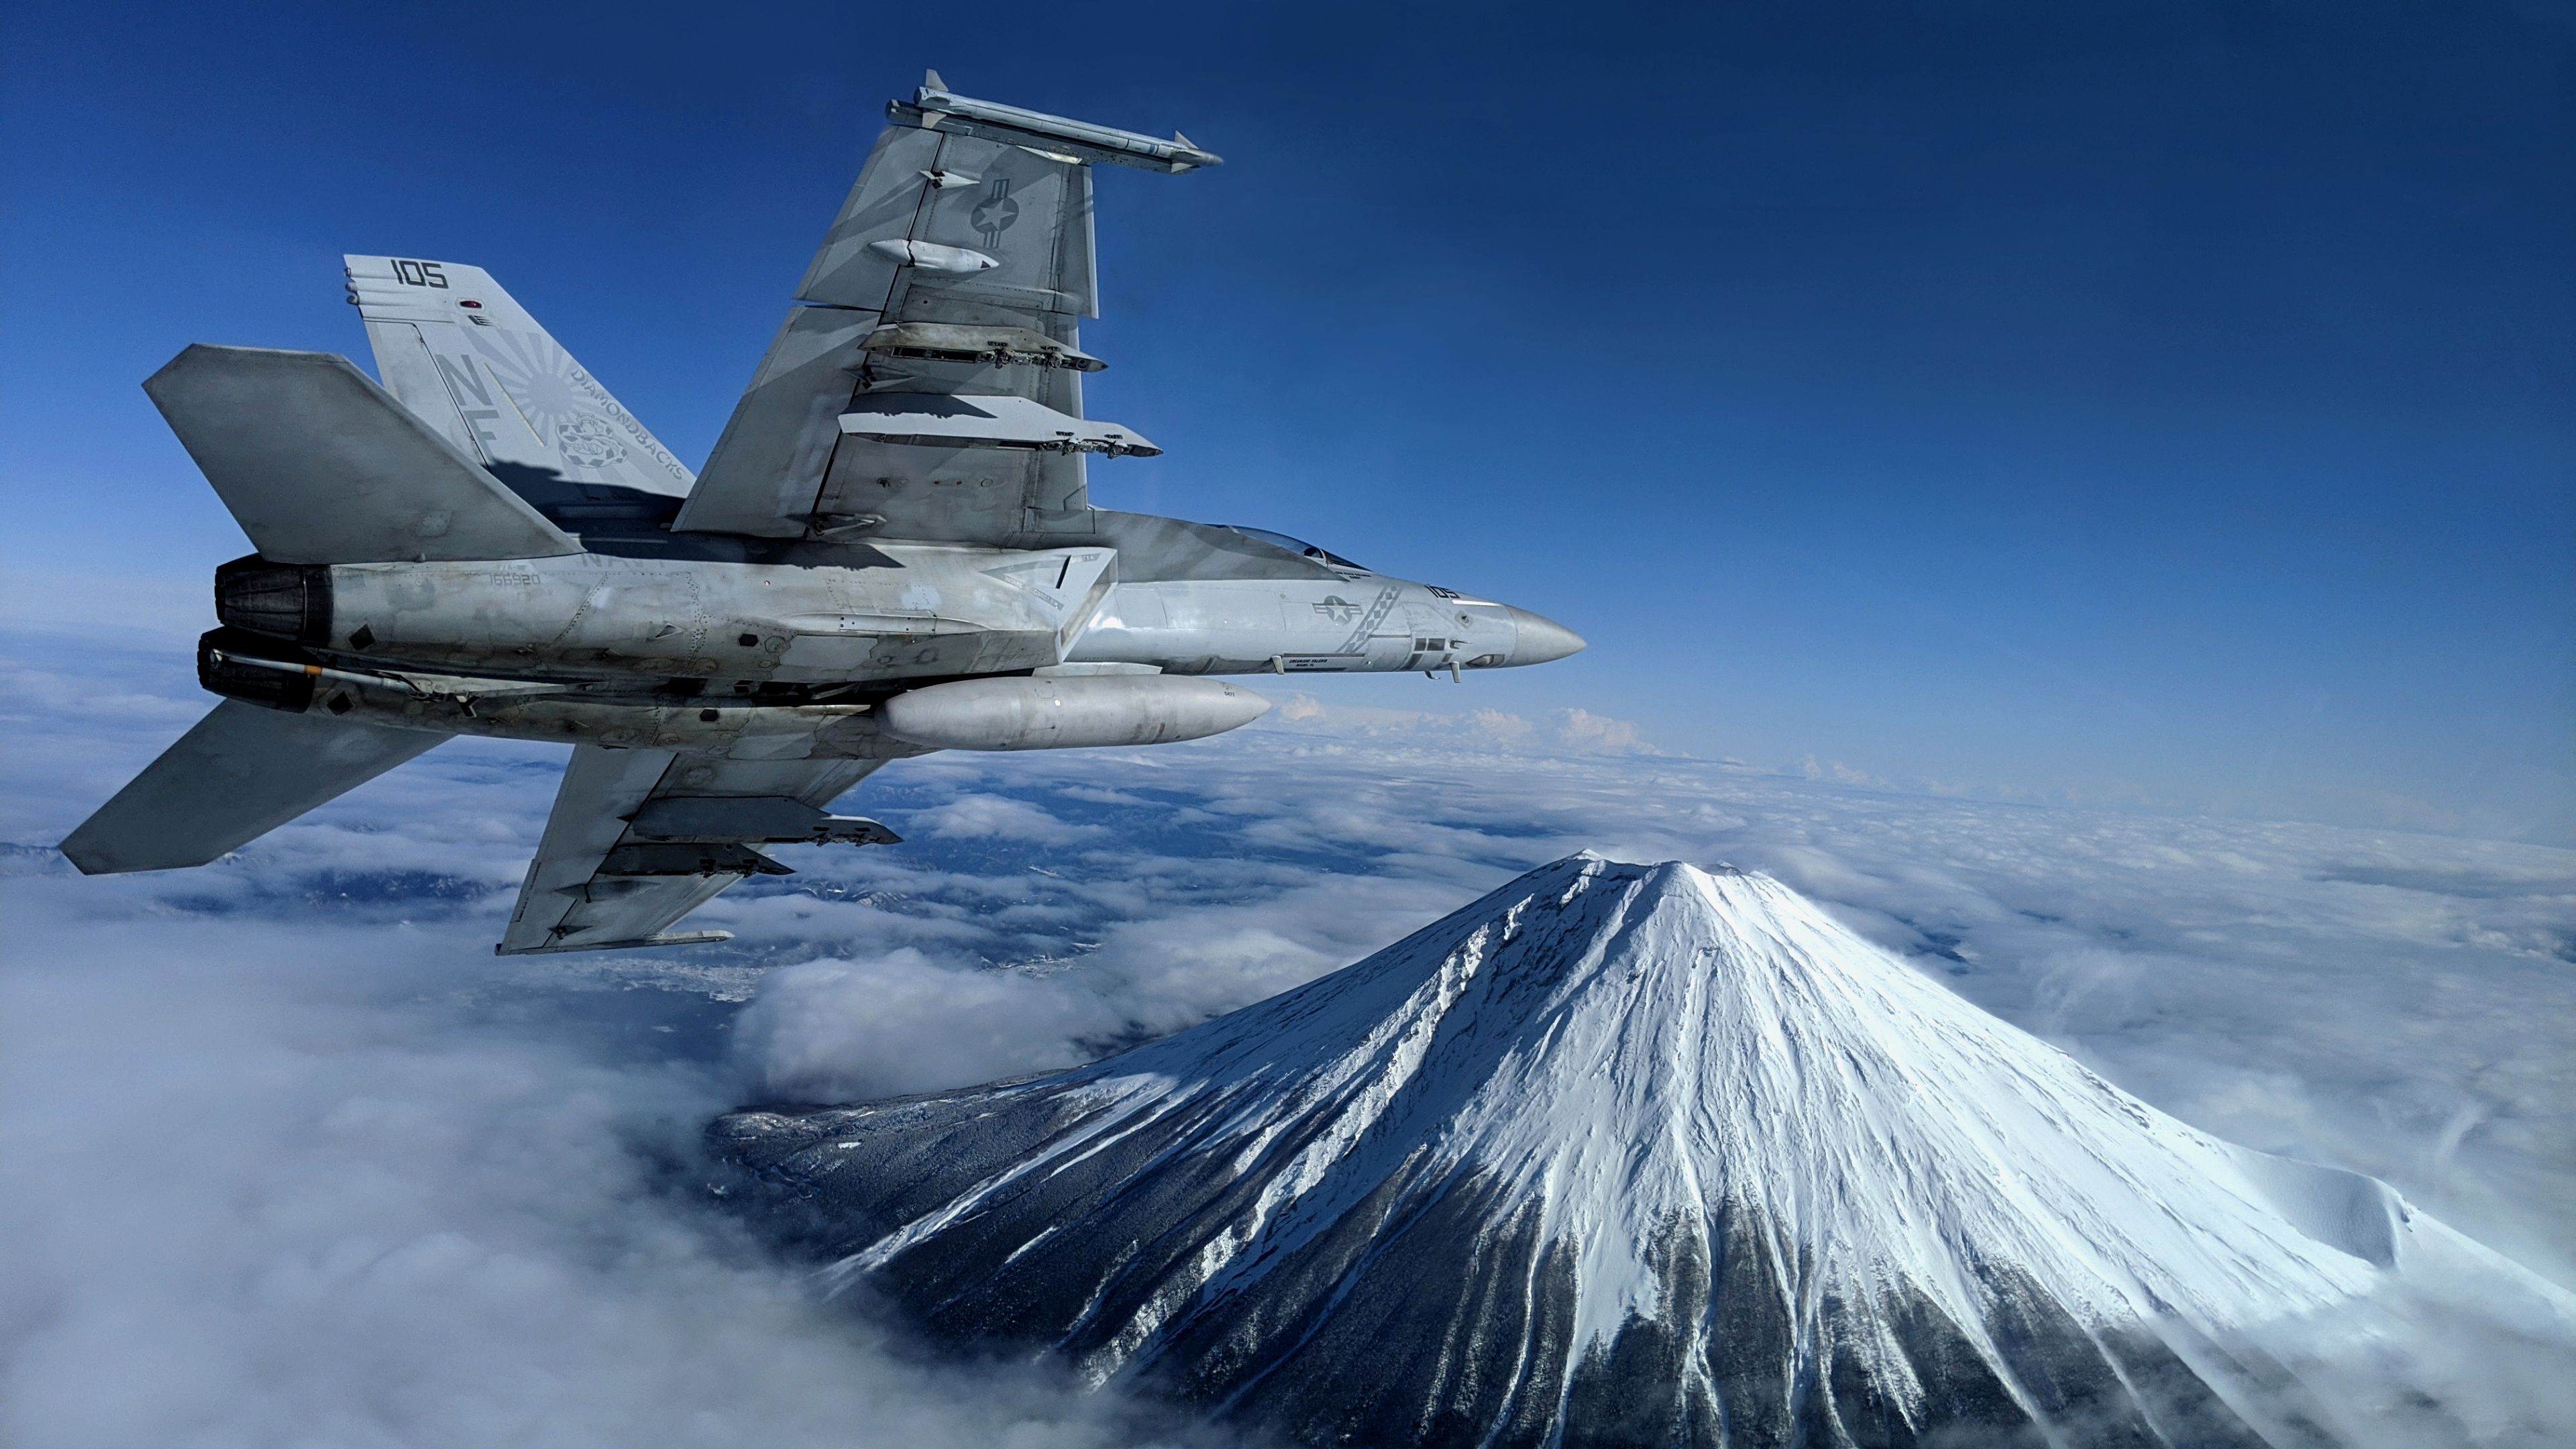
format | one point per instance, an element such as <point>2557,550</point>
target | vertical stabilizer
<point>471,362</point>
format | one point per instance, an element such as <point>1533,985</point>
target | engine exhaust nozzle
<point>282,601</point>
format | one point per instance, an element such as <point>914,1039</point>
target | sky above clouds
<point>2149,403</point>
<point>292,1149</point>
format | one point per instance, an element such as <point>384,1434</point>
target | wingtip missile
<point>927,100</point>
<point>935,107</point>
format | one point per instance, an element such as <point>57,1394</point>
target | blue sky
<point>2157,403</point>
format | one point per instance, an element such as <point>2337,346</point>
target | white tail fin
<point>474,365</point>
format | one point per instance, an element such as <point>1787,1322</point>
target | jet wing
<point>960,267</point>
<point>640,838</point>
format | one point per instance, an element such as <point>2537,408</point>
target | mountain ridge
<point>1616,1153</point>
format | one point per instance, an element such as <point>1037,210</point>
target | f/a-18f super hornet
<point>891,551</point>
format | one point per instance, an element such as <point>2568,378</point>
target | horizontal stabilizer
<point>241,773</point>
<point>320,465</point>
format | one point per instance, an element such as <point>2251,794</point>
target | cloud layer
<point>293,1154</point>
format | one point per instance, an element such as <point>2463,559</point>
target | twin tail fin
<point>465,356</point>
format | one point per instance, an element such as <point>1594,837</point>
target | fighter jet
<point>892,550</point>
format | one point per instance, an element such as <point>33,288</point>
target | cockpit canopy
<point>1299,547</point>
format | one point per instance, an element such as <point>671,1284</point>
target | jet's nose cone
<point>1536,640</point>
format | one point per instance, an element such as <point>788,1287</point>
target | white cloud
<point>975,817</point>
<point>1581,729</point>
<point>292,1153</point>
<point>313,1185</point>
<point>1811,768</point>
<point>841,1031</point>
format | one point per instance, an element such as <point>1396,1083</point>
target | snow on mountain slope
<point>1615,1154</point>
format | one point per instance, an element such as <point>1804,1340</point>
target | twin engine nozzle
<point>282,601</point>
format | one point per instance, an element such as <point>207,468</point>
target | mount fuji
<point>1627,1154</point>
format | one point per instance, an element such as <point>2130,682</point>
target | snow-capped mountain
<point>1616,1154</point>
